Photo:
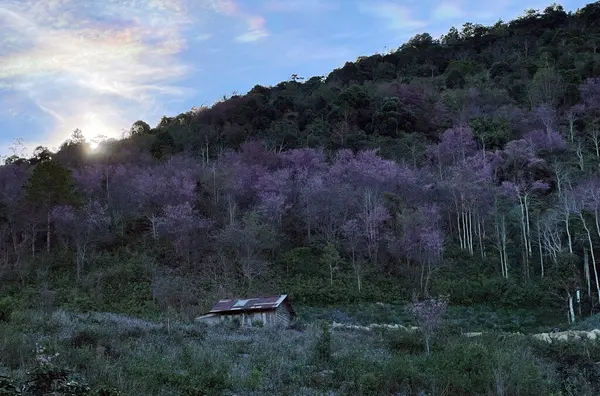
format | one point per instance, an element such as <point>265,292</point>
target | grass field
<point>178,357</point>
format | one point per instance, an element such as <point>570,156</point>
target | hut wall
<point>283,315</point>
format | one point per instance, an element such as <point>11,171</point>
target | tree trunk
<point>541,252</point>
<point>571,310</point>
<point>568,230</point>
<point>591,246</point>
<point>586,271</point>
<point>48,232</point>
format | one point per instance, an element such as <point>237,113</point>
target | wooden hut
<point>273,311</point>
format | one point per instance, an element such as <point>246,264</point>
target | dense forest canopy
<point>466,165</point>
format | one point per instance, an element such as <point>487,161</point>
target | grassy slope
<point>181,358</point>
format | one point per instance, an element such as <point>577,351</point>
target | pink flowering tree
<point>428,313</point>
<point>183,225</point>
<point>420,241</point>
<point>273,190</point>
<point>155,187</point>
<point>455,146</point>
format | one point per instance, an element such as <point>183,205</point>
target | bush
<point>465,367</point>
<point>258,323</point>
<point>322,352</point>
<point>7,305</point>
<point>408,342</point>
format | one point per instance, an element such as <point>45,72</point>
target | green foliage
<point>258,323</point>
<point>7,305</point>
<point>322,352</point>
<point>455,79</point>
<point>491,133</point>
<point>51,184</point>
<point>254,380</point>
<point>164,146</point>
<point>405,342</point>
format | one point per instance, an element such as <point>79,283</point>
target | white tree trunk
<point>589,237</point>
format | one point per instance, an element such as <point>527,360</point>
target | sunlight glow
<point>92,129</point>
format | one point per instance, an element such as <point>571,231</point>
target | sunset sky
<point>100,65</point>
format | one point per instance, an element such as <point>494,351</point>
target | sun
<point>94,145</point>
<point>93,130</point>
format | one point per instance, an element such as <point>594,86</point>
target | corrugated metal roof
<point>249,304</point>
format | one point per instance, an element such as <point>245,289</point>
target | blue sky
<point>100,65</point>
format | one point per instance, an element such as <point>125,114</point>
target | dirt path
<point>568,335</point>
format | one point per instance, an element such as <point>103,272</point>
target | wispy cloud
<point>204,36</point>
<point>255,25</point>
<point>447,10</point>
<point>398,16</point>
<point>76,59</point>
<point>256,30</point>
<point>301,6</point>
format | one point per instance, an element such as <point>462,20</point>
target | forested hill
<point>463,166</point>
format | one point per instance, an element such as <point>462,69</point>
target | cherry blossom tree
<point>456,144</point>
<point>274,193</point>
<point>421,241</point>
<point>428,314</point>
<point>161,185</point>
<point>182,223</point>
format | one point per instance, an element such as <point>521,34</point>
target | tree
<point>456,144</point>
<point>182,223</point>
<point>545,88</point>
<point>248,244</point>
<point>50,184</point>
<point>171,183</point>
<point>524,193</point>
<point>273,190</point>
<point>428,314</point>
<point>139,128</point>
<point>85,226</point>
<point>331,258</point>
<point>13,223</point>
<point>164,146</point>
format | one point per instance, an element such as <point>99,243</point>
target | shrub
<point>465,367</point>
<point>322,352</point>
<point>8,387</point>
<point>258,323</point>
<point>409,342</point>
<point>7,305</point>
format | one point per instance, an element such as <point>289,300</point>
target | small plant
<point>233,323</point>
<point>254,379</point>
<point>8,387</point>
<point>258,323</point>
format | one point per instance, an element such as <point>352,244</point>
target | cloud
<point>399,17</point>
<point>204,36</point>
<point>255,24</point>
<point>77,59</point>
<point>447,10</point>
<point>256,30</point>
<point>301,6</point>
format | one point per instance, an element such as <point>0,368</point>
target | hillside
<point>464,167</point>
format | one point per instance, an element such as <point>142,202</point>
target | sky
<point>100,65</point>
